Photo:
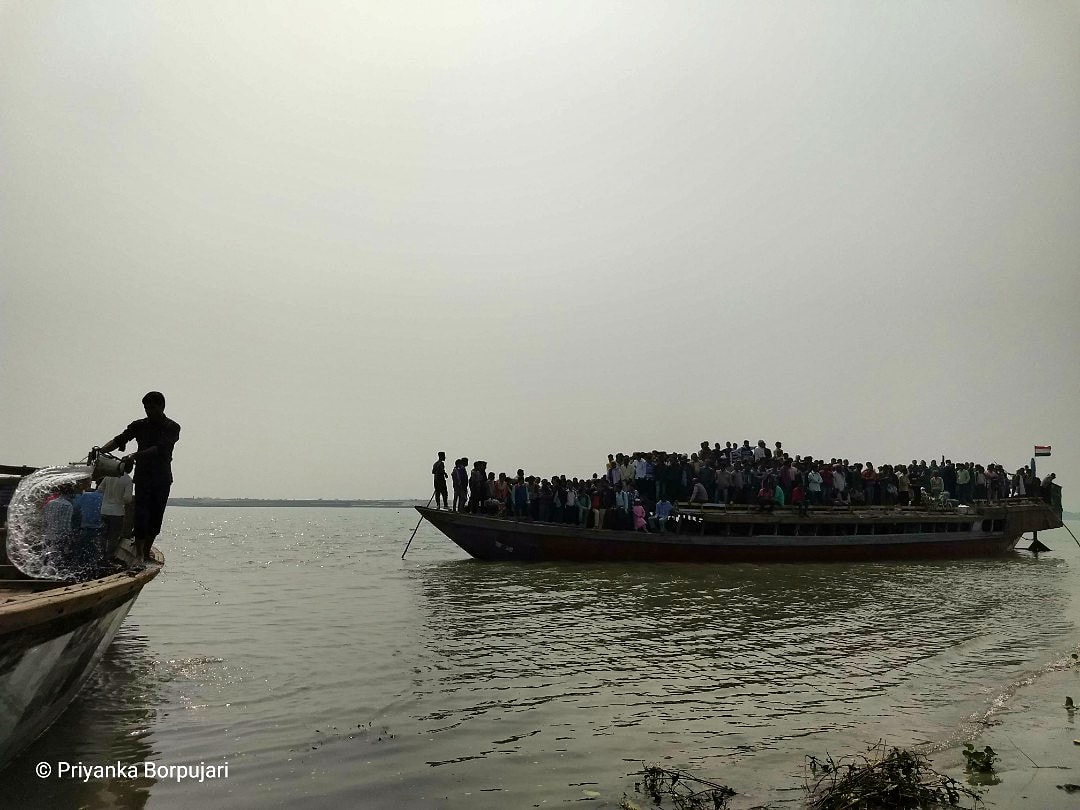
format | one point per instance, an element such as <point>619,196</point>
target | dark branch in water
<point>686,792</point>
<point>881,779</point>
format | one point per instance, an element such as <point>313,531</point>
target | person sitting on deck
<point>798,500</point>
<point>1046,487</point>
<point>639,517</point>
<point>584,506</point>
<point>663,514</point>
<point>502,492</point>
<point>87,515</point>
<point>59,517</point>
<point>765,499</point>
<point>699,494</point>
<point>937,485</point>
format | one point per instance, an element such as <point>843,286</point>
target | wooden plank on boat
<point>6,469</point>
<point>28,608</point>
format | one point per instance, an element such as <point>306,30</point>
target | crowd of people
<point>641,490</point>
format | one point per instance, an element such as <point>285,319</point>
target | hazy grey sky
<point>342,236</point>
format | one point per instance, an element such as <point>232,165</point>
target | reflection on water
<point>296,645</point>
<point>110,722</point>
<point>710,664</point>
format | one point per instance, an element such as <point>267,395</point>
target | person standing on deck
<point>813,486</point>
<point>937,485</point>
<point>477,487</point>
<point>963,483</point>
<point>839,481</point>
<point>116,494</point>
<point>903,486</point>
<point>156,436</point>
<point>521,497</point>
<point>438,470</point>
<point>460,480</point>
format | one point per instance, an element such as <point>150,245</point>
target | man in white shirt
<point>838,481</point>
<point>813,486</point>
<point>116,496</point>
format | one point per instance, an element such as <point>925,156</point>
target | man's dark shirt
<point>161,432</point>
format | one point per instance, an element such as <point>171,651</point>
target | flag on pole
<point>1042,450</point>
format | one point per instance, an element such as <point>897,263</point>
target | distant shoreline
<point>324,504</point>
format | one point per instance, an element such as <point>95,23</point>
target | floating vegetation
<point>979,761</point>
<point>882,780</point>
<point>684,791</point>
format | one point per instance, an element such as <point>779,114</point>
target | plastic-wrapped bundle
<point>45,547</point>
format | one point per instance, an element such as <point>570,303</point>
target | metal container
<point>106,465</point>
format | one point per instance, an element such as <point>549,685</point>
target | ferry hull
<point>487,538</point>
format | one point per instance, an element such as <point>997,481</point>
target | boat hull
<point>50,643</point>
<point>488,538</point>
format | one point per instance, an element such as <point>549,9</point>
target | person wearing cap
<point>156,435</point>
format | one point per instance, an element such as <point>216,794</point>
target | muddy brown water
<point>295,645</point>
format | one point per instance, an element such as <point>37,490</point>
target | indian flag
<point>1042,450</point>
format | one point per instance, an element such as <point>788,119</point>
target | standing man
<point>156,435</point>
<point>460,479</point>
<point>116,494</point>
<point>477,488</point>
<point>438,470</point>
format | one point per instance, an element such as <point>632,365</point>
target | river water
<point>297,646</point>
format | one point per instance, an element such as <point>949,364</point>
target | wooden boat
<point>725,534</point>
<point>52,635</point>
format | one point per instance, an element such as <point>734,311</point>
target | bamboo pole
<point>411,536</point>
